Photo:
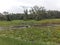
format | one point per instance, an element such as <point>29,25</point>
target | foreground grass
<point>10,41</point>
<point>31,36</point>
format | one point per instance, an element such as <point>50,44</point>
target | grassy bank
<point>29,22</point>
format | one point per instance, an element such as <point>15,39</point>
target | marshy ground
<point>19,32</point>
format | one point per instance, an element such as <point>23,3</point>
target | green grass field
<point>29,22</point>
<point>47,35</point>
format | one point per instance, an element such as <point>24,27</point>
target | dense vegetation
<point>35,13</point>
<point>31,36</point>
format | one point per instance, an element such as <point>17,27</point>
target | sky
<point>15,6</point>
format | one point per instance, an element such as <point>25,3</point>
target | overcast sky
<point>15,5</point>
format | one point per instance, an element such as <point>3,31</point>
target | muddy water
<point>42,25</point>
<point>27,26</point>
<point>13,27</point>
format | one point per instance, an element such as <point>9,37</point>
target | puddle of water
<point>26,26</point>
<point>13,27</point>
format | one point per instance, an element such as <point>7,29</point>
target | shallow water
<point>27,26</point>
<point>13,27</point>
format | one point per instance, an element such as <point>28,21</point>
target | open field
<point>43,35</point>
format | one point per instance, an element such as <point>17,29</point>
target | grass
<point>47,35</point>
<point>32,36</point>
<point>10,41</point>
<point>29,22</point>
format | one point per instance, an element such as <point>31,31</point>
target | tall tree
<point>25,14</point>
<point>38,12</point>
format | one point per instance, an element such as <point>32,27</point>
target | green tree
<point>38,12</point>
<point>26,14</point>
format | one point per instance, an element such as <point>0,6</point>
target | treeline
<point>35,13</point>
